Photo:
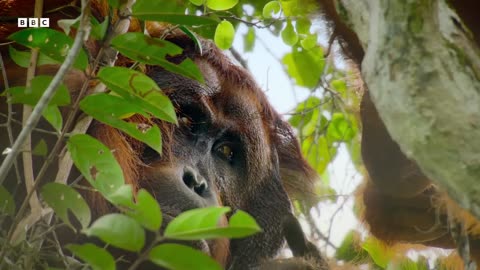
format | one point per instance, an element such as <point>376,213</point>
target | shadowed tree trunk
<point>422,68</point>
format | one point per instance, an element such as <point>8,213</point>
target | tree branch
<point>423,71</point>
<point>32,121</point>
<point>9,117</point>
<point>27,111</point>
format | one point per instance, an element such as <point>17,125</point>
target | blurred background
<point>311,84</point>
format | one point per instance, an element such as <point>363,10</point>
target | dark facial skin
<point>230,148</point>
<point>222,139</point>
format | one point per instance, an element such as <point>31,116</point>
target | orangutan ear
<point>298,177</point>
<point>210,75</point>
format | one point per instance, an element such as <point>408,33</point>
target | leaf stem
<point>37,112</point>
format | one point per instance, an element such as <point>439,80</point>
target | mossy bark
<point>423,72</point>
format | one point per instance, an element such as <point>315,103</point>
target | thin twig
<point>108,56</point>
<point>333,216</point>
<point>69,5</point>
<point>6,43</point>
<point>42,103</point>
<point>260,24</point>
<point>15,121</point>
<point>313,226</point>
<point>124,12</point>
<point>66,163</point>
<point>58,246</point>
<point>330,43</point>
<point>144,255</point>
<point>27,111</point>
<point>311,109</point>
<point>83,34</point>
<point>37,112</point>
<point>239,58</point>
<point>8,124</point>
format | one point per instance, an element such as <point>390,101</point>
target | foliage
<point>350,249</point>
<point>325,121</point>
<point>132,93</point>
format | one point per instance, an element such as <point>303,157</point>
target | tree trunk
<point>422,69</point>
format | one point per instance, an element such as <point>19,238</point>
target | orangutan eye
<point>184,120</point>
<point>226,152</point>
<point>194,118</point>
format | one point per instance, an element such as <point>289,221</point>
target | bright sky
<point>265,67</point>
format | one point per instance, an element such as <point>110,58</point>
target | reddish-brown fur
<point>400,203</point>
<point>279,145</point>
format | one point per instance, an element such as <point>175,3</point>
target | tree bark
<point>422,69</point>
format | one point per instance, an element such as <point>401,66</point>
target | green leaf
<point>30,96</point>
<point>354,148</point>
<point>96,257</point>
<point>221,4</point>
<point>347,92</point>
<point>175,18</point>
<point>140,90</point>
<point>317,124</point>
<point>68,24</point>
<point>119,231</point>
<point>207,31</point>
<point>153,51</point>
<point>197,2</point>
<point>173,256</point>
<point>304,111</point>
<point>300,60</point>
<point>52,43</point>
<point>62,198</point>
<point>380,253</point>
<point>111,105</point>
<point>249,40</point>
<point>242,219</point>
<point>145,210</point>
<point>40,149</point>
<point>115,3</point>
<point>303,25</point>
<point>98,30</point>
<point>203,223</point>
<point>290,7</point>
<point>340,129</point>
<point>409,264</point>
<point>309,41</point>
<point>194,37</point>
<point>289,36</point>
<point>272,7</point>
<point>22,58</point>
<point>123,196</point>
<point>111,110</point>
<point>53,116</point>
<point>96,163</point>
<point>339,85</point>
<point>194,220</point>
<point>167,11</point>
<point>165,6</point>
<point>319,153</point>
<point>224,35</point>
<point>7,204</point>
<point>350,250</point>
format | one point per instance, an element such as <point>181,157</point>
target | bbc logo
<point>33,22</point>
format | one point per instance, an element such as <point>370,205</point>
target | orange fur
<point>400,203</point>
<point>236,82</point>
